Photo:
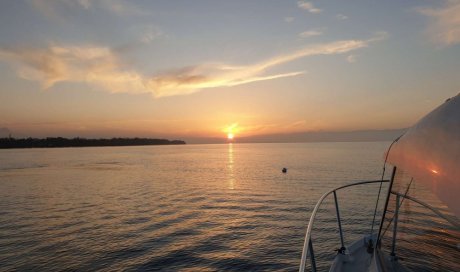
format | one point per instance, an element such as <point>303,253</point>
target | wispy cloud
<point>52,9</point>
<point>289,19</point>
<point>103,68</point>
<point>147,33</point>
<point>341,16</point>
<point>249,127</point>
<point>444,27</point>
<point>192,79</point>
<point>89,64</point>
<point>122,7</point>
<point>242,130</point>
<point>232,128</point>
<point>85,3</point>
<point>308,6</point>
<point>351,58</point>
<point>310,33</point>
<point>49,9</point>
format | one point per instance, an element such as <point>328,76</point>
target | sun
<point>231,130</point>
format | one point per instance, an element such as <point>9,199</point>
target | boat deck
<point>355,259</point>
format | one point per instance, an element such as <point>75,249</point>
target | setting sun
<point>231,130</point>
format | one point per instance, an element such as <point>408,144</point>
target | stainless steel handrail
<point>394,219</point>
<point>307,243</point>
<point>433,209</point>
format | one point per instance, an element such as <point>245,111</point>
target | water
<point>177,208</point>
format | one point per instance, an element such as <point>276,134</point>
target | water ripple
<point>190,208</point>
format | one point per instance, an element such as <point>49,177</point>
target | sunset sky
<point>182,69</point>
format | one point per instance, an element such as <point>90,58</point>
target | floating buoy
<point>284,170</point>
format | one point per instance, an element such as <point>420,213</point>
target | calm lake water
<point>178,208</point>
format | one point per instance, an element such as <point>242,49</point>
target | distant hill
<point>81,142</point>
<point>327,136</point>
<point>316,136</point>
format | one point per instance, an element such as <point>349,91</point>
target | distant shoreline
<point>58,142</point>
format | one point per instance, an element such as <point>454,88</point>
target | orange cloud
<point>103,68</point>
<point>310,33</point>
<point>191,79</point>
<point>93,65</point>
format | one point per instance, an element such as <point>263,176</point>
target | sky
<point>198,69</point>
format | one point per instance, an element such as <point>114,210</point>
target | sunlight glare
<point>230,131</point>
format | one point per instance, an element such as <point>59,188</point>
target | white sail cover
<point>430,152</point>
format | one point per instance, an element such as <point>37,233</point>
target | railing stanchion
<point>340,223</point>
<point>307,246</point>
<point>395,226</point>
<point>312,256</point>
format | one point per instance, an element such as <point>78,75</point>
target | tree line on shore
<point>81,142</point>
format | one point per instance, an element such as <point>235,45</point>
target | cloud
<point>444,27</point>
<point>53,9</point>
<point>245,128</point>
<point>297,125</point>
<point>147,33</point>
<point>122,7</point>
<point>341,16</point>
<point>351,58</point>
<point>310,33</point>
<point>308,6</point>
<point>232,128</point>
<point>289,19</point>
<point>48,9</point>
<point>102,67</point>
<point>242,130</point>
<point>192,79</point>
<point>85,3</point>
<point>89,64</point>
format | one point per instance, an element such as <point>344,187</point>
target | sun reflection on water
<point>231,178</point>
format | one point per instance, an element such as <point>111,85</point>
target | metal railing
<point>431,208</point>
<point>308,244</point>
<point>395,217</point>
